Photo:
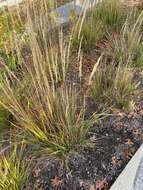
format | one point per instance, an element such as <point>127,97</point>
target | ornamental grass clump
<point>43,101</point>
<point>111,13</point>
<point>107,16</point>
<point>127,47</point>
<point>52,117</point>
<point>114,87</point>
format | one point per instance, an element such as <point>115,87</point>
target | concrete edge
<point>126,179</point>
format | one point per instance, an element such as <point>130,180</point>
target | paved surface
<point>63,12</point>
<point>77,6</point>
<point>132,176</point>
<point>9,2</point>
<point>138,182</point>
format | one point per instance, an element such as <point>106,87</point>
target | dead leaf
<point>137,132</point>
<point>36,172</point>
<point>56,181</point>
<point>129,142</point>
<point>115,161</point>
<point>92,187</point>
<point>129,153</point>
<point>101,184</point>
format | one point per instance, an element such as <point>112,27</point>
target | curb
<point>129,178</point>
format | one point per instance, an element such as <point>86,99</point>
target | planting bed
<point>116,140</point>
<point>71,100</point>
